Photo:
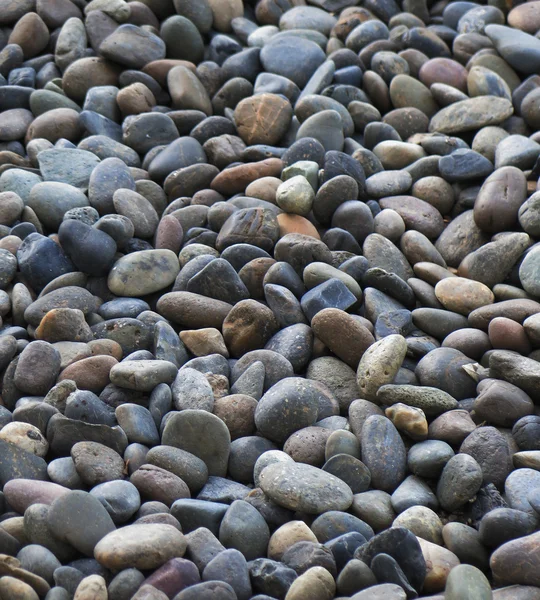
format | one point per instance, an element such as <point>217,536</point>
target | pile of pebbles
<point>269,300</point>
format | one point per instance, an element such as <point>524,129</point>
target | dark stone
<point>403,547</point>
<point>271,577</point>
<point>41,260</point>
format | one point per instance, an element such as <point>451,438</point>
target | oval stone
<point>145,547</point>
<point>304,488</point>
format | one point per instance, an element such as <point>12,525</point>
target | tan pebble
<point>409,419</point>
<point>92,587</point>
<point>25,436</point>
<point>106,347</point>
<point>219,384</point>
<point>135,99</point>
<point>439,562</point>
<point>202,342</point>
<point>463,295</point>
<point>71,352</point>
<point>264,189</point>
<point>287,535</point>
<point>315,584</point>
<point>11,243</point>
<point>289,223</point>
<point>14,589</point>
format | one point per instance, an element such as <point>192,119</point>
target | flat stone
<point>67,165</point>
<point>468,115</point>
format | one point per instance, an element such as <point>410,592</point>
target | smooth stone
<point>516,562</point>
<point>54,166</point>
<point>460,479</point>
<point>326,127</point>
<point>41,260</point>
<point>22,493</point>
<point>464,165</point>
<point>430,400</point>
<point>121,499</point>
<point>440,563</point>
<point>198,513</point>
<point>502,194</point>
<point>51,200</point>
<point>316,583</point>
<point>463,295</point>
<point>303,487</point>
<point>308,57</point>
<point>442,368</point>
<point>387,353</point>
<point>416,214</point>
<point>519,49</point>
<point>76,512</point>
<point>143,375</point>
<point>17,463</point>
<point>403,547</point>
<point>333,293</point>
<point>471,114</point>
<point>383,453</point>
<point>182,431</point>
<point>501,525</point>
<point>140,546</point>
<point>244,529</point>
<point>299,396</point>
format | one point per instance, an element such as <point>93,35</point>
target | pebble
<point>305,488</point>
<point>246,279</point>
<point>140,546</point>
<point>387,353</point>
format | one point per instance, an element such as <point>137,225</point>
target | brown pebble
<point>452,427</point>
<point>248,326</point>
<point>202,342</point>
<point>64,324</point>
<point>444,70</point>
<point>157,484</point>
<point>308,445</point>
<point>105,347</point>
<point>237,411</point>
<point>236,179</point>
<point>263,119</point>
<point>343,334</point>
<point>31,34</point>
<point>264,188</point>
<point>135,99</point>
<point>169,234</point>
<point>507,334</point>
<point>296,224</point>
<point>159,69</point>
<point>90,373</point>
<point>86,73</point>
<point>56,124</point>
